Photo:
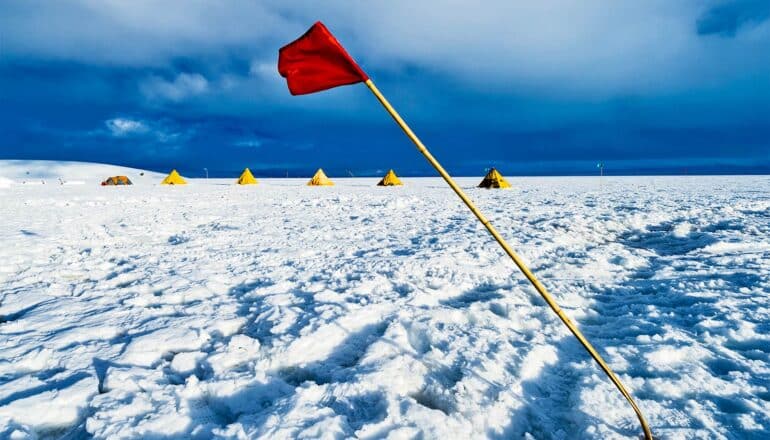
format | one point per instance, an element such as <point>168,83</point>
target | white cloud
<point>262,68</point>
<point>183,86</point>
<point>132,33</point>
<point>158,131</point>
<point>249,143</point>
<point>123,127</point>
<point>557,47</point>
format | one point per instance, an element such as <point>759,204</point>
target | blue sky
<point>547,87</point>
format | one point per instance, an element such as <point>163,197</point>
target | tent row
<point>493,179</point>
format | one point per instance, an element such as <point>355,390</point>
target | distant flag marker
<point>316,61</point>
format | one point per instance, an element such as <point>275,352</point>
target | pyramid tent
<point>117,180</point>
<point>173,178</point>
<point>320,179</point>
<point>247,178</point>
<point>390,179</point>
<point>494,179</point>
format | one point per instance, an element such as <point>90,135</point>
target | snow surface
<point>286,311</point>
<point>37,172</point>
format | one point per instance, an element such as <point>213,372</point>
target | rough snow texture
<point>286,311</point>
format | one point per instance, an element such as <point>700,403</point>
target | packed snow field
<point>285,311</point>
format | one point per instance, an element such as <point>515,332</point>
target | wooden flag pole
<point>515,257</point>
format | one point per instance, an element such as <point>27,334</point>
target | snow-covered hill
<point>284,311</point>
<point>55,172</point>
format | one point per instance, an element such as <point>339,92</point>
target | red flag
<point>317,61</point>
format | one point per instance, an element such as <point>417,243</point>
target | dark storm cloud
<point>160,83</point>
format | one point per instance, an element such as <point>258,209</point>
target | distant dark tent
<point>494,179</point>
<point>117,180</point>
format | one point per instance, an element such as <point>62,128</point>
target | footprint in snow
<point>178,239</point>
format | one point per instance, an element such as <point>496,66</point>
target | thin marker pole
<point>515,257</point>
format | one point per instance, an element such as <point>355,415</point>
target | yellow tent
<point>494,179</point>
<point>173,178</point>
<point>390,179</point>
<point>320,179</point>
<point>247,178</point>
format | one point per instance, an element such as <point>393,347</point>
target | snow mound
<point>36,172</point>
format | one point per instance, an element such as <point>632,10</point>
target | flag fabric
<point>317,61</point>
